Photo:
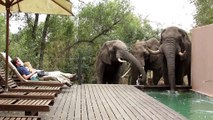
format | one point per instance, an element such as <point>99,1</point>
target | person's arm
<point>28,76</point>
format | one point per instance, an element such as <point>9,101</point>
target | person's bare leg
<point>69,75</point>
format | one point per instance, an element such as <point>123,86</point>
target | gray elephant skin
<point>176,49</point>
<point>147,60</point>
<point>110,59</point>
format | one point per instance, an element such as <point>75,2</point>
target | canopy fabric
<point>60,7</point>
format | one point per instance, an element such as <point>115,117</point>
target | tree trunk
<point>35,26</point>
<point>43,42</point>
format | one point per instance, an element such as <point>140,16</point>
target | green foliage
<point>101,18</point>
<point>2,31</point>
<point>60,35</point>
<point>22,43</point>
<point>133,28</point>
<point>204,12</point>
<point>71,44</point>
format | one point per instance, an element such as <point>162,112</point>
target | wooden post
<point>80,68</point>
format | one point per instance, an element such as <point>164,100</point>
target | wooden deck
<point>107,102</point>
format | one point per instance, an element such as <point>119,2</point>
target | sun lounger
<point>17,101</point>
<point>12,86</point>
<point>32,95</point>
<point>20,118</point>
<point>30,106</point>
<point>27,82</point>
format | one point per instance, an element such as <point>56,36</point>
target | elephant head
<point>109,60</point>
<point>176,49</point>
<point>147,60</point>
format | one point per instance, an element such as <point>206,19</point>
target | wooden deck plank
<point>100,103</point>
<point>155,105</point>
<point>164,111</point>
<point>133,104</point>
<point>83,103</point>
<point>107,102</point>
<point>54,109</point>
<point>143,104</point>
<point>71,113</point>
<point>62,111</point>
<point>138,105</point>
<point>120,104</point>
<point>153,112</point>
<point>94,103</point>
<point>90,111</point>
<point>78,104</point>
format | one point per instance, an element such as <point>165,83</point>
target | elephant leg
<point>100,73</point>
<point>189,75</point>
<point>189,78</point>
<point>134,76</point>
<point>156,76</point>
<point>118,75</point>
<point>133,82</point>
<point>179,80</point>
<point>142,82</point>
<point>133,79</point>
<point>179,73</point>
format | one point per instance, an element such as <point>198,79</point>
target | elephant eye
<point>180,38</point>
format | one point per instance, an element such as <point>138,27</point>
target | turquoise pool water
<point>193,106</point>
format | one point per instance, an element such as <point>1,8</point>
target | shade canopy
<point>60,7</point>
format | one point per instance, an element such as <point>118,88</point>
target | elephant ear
<point>184,40</point>
<point>161,37</point>
<point>105,54</point>
<point>153,44</point>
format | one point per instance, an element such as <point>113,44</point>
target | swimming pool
<point>192,105</point>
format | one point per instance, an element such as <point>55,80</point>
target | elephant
<point>147,60</point>
<point>109,62</point>
<point>175,46</point>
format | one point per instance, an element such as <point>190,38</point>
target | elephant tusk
<point>182,53</point>
<point>155,52</point>
<point>125,73</point>
<point>140,76</point>
<point>122,61</point>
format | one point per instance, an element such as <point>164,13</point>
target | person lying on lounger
<point>33,74</point>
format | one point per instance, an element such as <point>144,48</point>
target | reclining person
<point>32,74</point>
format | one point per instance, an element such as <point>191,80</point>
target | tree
<point>2,31</point>
<point>52,34</point>
<point>204,12</point>
<point>61,43</point>
<point>26,43</point>
<point>97,20</point>
<point>43,41</point>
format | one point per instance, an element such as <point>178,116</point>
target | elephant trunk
<point>170,53</point>
<point>130,58</point>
